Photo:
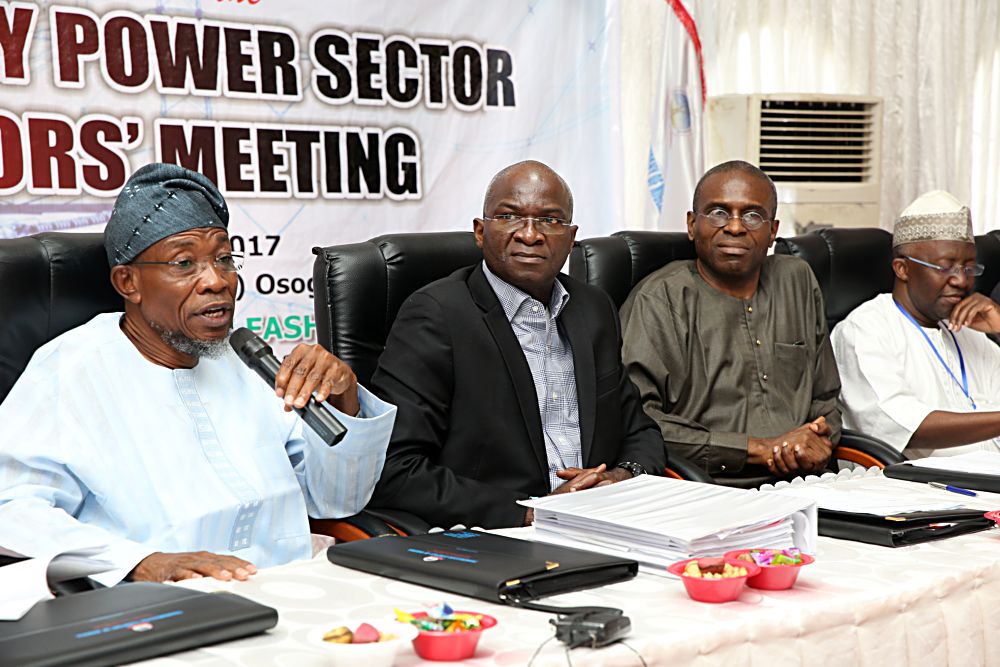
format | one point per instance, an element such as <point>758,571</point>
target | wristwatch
<point>635,468</point>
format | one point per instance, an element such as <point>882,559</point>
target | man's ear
<point>901,269</point>
<point>774,232</point>
<point>690,225</point>
<point>124,279</point>
<point>477,229</point>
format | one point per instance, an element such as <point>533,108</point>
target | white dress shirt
<point>891,379</point>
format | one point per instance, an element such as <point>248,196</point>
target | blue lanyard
<point>964,384</point>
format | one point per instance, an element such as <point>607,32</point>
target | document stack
<point>656,521</point>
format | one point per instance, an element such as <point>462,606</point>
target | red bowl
<point>448,646</point>
<point>772,577</point>
<point>713,590</point>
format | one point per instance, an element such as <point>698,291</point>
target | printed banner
<point>321,122</point>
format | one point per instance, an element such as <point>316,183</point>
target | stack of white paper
<point>873,493</point>
<point>657,521</point>
<point>877,495</point>
<point>982,462</point>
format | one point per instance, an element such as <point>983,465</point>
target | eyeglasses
<point>720,217</point>
<point>546,224</point>
<point>970,271</point>
<point>189,268</point>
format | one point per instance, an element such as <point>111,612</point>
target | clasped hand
<point>806,449</point>
<point>311,368</point>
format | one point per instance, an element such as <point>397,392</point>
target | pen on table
<point>953,489</point>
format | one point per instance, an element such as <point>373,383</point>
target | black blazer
<point>467,443</point>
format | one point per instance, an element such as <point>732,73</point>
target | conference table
<point>936,603</point>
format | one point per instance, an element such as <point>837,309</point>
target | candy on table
<point>442,618</point>
<point>772,557</point>
<point>365,634</point>
<point>713,568</point>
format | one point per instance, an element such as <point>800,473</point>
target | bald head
<point>737,168</point>
<point>527,174</point>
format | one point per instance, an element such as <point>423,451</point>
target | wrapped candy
<point>364,634</point>
<point>441,618</point>
<point>773,557</point>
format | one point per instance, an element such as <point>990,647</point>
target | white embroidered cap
<point>934,216</point>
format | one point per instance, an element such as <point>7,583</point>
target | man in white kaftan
<point>144,433</point>
<point>916,367</point>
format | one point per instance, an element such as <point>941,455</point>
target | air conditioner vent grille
<point>818,141</point>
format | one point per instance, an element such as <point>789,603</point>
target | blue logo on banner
<point>462,536</point>
<point>654,180</point>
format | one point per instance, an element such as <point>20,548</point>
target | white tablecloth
<point>932,604</point>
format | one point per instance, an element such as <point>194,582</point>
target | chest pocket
<point>793,370</point>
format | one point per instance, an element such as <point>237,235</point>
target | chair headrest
<point>361,286</point>
<point>618,262</point>
<point>52,282</point>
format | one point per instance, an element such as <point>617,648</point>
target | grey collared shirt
<point>550,357</point>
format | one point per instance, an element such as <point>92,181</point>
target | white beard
<point>199,349</point>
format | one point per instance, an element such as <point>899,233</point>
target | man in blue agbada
<point>143,432</point>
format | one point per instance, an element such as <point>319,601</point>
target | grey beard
<point>207,349</point>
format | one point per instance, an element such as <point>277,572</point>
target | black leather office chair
<point>49,283</point>
<point>617,263</point>
<point>359,290</point>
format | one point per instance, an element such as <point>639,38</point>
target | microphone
<point>259,356</point>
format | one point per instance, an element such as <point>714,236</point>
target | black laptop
<point>128,622</point>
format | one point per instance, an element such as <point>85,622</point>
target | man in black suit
<point>509,381</point>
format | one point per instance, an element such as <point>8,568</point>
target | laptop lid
<point>125,623</point>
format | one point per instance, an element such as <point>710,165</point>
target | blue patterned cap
<point>161,200</point>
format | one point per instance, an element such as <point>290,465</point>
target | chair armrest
<point>679,467</point>
<point>404,522</point>
<point>361,526</point>
<point>866,450</point>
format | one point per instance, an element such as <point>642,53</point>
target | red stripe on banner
<point>692,30</point>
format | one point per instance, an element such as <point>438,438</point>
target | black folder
<point>128,622</point>
<point>965,480</point>
<point>482,565</point>
<point>903,529</point>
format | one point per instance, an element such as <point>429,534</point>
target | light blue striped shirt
<point>550,358</point>
<point>99,446</point>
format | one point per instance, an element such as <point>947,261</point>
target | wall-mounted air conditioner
<point>821,151</point>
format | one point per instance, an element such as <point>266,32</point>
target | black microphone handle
<point>316,415</point>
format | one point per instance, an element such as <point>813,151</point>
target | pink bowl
<point>448,646</point>
<point>713,590</point>
<point>771,577</point>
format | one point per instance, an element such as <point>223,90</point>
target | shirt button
<point>749,309</point>
<point>758,342</point>
<point>764,377</point>
<point>723,468</point>
<point>554,396</point>
<point>534,309</point>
